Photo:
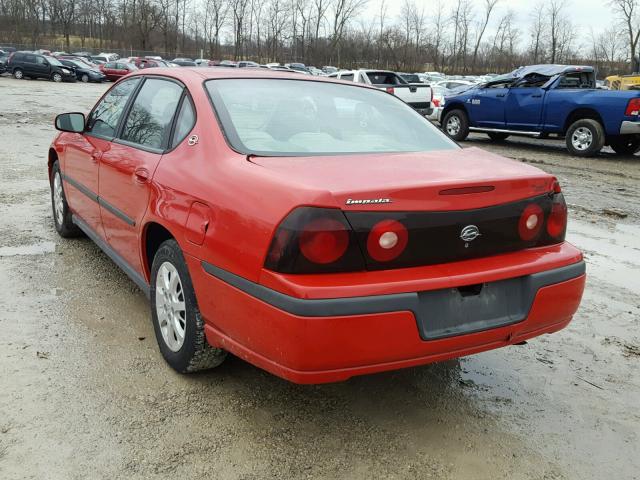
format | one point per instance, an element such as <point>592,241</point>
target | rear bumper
<point>333,339</point>
<point>629,128</point>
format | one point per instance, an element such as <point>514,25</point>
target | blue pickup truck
<point>548,101</point>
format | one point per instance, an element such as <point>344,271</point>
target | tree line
<point>455,36</point>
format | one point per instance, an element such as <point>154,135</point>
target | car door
<point>83,151</point>
<point>524,108</point>
<point>42,67</point>
<point>488,107</point>
<point>127,168</point>
<point>30,66</point>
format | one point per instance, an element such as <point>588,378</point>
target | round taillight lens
<point>530,222</point>
<point>324,240</point>
<point>557,221</point>
<point>387,239</point>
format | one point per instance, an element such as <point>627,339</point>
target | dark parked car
<point>184,62</point>
<point>32,65</point>
<point>116,70</point>
<point>84,73</point>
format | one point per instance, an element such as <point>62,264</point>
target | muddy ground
<point>84,392</point>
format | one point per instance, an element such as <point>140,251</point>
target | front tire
<point>84,78</point>
<point>456,125</point>
<point>177,321</point>
<point>625,145</point>
<point>61,213</point>
<point>585,138</point>
<point>56,77</point>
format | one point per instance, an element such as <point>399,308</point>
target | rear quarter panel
<point>610,105</point>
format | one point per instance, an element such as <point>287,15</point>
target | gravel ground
<point>84,392</point>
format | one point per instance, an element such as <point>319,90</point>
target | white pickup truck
<point>416,95</point>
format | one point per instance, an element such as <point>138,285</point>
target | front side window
<point>297,117</point>
<point>150,118</point>
<point>103,121</point>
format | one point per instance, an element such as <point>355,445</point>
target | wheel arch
<point>581,114</point>
<point>153,235</point>
<point>454,106</point>
<point>52,157</point>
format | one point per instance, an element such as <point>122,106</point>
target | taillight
<point>557,220</point>
<point>633,107</point>
<point>391,90</point>
<point>387,240</point>
<point>530,223</point>
<point>436,102</point>
<point>314,240</point>
<point>323,240</point>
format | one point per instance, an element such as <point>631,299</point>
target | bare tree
<point>628,14</point>
<point>538,32</point>
<point>489,5</point>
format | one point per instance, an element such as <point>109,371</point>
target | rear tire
<point>84,78</point>
<point>456,125</point>
<point>61,213</point>
<point>585,138</point>
<point>177,322</point>
<point>497,136</point>
<point>18,74</point>
<point>625,145</point>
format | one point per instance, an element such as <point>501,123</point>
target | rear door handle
<point>141,175</point>
<point>537,95</point>
<point>499,94</point>
<point>95,155</point>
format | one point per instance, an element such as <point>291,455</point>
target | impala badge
<point>469,234</point>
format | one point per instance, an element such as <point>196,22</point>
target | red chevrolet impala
<point>315,228</point>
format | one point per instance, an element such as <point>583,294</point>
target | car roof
<point>193,76</point>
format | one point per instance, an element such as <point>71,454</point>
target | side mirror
<point>70,122</point>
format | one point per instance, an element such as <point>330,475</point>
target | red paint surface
<point>245,201</point>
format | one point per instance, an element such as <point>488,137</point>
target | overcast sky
<point>584,14</point>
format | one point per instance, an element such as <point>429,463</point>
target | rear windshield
<point>383,78</point>
<point>295,117</point>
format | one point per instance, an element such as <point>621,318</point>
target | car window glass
<point>382,78</point>
<point>103,121</point>
<point>347,76</point>
<point>297,117</point>
<point>30,58</point>
<point>150,117</point>
<point>184,123</point>
<point>40,60</point>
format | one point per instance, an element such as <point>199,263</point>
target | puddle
<point>612,254</point>
<point>41,248</point>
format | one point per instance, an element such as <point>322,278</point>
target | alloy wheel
<point>582,138</point>
<point>170,306</point>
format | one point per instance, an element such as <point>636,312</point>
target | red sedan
<point>116,70</point>
<point>318,229</point>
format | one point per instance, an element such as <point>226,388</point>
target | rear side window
<point>103,120</point>
<point>30,58</point>
<point>347,76</point>
<point>150,118</point>
<point>185,122</point>
<point>109,65</point>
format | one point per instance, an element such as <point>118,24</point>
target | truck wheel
<point>61,213</point>
<point>585,138</point>
<point>497,136</point>
<point>456,125</point>
<point>625,145</point>
<point>18,74</point>
<point>177,322</point>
